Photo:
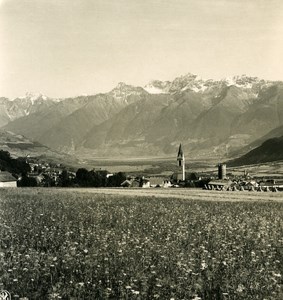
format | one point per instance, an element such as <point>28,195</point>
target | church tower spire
<point>181,161</point>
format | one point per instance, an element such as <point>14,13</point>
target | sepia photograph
<point>141,149</point>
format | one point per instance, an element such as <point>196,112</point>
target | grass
<point>68,244</point>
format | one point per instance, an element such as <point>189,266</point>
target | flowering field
<point>66,244</point>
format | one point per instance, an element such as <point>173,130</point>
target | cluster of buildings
<point>147,182</point>
<point>222,182</point>
<point>43,171</point>
<point>39,171</point>
<point>246,183</point>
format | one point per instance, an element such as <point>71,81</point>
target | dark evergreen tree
<point>85,178</point>
<point>48,181</point>
<point>64,179</point>
<point>116,179</point>
<point>16,166</point>
<point>82,177</point>
<point>26,181</point>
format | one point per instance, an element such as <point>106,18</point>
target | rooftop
<point>6,177</point>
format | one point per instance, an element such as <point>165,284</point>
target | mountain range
<point>23,106</point>
<point>212,118</point>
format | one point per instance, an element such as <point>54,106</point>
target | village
<point>221,182</point>
<point>46,174</point>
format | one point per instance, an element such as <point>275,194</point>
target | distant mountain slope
<point>20,146</point>
<point>270,150</point>
<point>4,115</point>
<point>125,131</point>
<point>36,124</point>
<point>70,131</point>
<point>263,115</point>
<point>277,132</point>
<point>218,120</point>
<point>24,106</point>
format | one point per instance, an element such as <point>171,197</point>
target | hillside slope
<point>270,150</point>
<point>20,146</point>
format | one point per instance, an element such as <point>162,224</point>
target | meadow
<point>107,244</point>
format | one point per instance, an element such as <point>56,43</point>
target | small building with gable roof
<point>7,179</point>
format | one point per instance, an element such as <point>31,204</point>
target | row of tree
<point>83,178</point>
<point>13,165</point>
<point>94,178</point>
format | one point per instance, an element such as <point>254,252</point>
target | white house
<point>7,179</point>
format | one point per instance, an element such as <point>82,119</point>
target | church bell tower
<point>181,161</point>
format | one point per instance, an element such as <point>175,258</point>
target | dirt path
<point>191,194</point>
<point>178,193</point>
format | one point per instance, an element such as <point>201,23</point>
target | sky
<point>66,48</point>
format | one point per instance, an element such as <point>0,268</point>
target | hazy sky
<point>70,47</point>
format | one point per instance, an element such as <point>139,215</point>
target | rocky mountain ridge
<point>197,84</point>
<point>210,118</point>
<point>11,110</point>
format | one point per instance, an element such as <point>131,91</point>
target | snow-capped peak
<point>242,81</point>
<point>123,90</point>
<point>183,83</point>
<point>33,97</point>
<point>197,84</point>
<point>157,87</point>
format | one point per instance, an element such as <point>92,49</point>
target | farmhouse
<point>249,185</point>
<point>7,179</point>
<point>159,181</point>
<point>218,184</point>
<point>131,182</point>
<point>38,177</point>
<point>271,185</point>
<point>144,182</point>
<point>177,177</point>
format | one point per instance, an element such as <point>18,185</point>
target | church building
<point>181,162</point>
<point>180,174</point>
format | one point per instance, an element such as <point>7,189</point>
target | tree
<point>27,181</point>
<point>48,181</point>
<point>83,177</point>
<point>18,165</point>
<point>116,179</point>
<point>92,178</point>
<point>64,179</point>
